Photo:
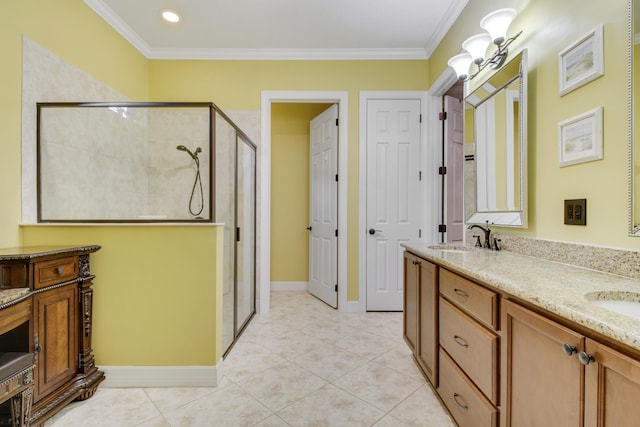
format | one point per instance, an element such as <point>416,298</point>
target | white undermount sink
<point>626,303</point>
<point>451,248</point>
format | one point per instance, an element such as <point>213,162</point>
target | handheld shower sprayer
<point>198,180</point>
<point>194,156</point>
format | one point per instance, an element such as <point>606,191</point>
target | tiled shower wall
<point>133,150</point>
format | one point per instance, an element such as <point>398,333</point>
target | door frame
<point>264,186</point>
<point>428,190</point>
<point>437,90</point>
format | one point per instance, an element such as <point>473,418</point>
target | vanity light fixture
<point>170,15</point>
<point>474,48</point>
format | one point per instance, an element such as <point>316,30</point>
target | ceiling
<point>283,29</point>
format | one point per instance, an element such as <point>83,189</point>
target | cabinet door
<point>428,320</point>
<point>410,327</point>
<point>612,388</point>
<point>541,385</point>
<point>55,322</point>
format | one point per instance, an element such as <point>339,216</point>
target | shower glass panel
<point>124,162</point>
<point>246,222</point>
<point>225,176</point>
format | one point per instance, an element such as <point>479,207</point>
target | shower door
<point>245,236</point>
<point>225,207</point>
<point>235,195</point>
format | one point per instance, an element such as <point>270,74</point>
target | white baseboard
<point>289,286</point>
<point>161,376</point>
<point>353,307</point>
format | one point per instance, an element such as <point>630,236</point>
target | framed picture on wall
<point>580,138</point>
<point>582,61</point>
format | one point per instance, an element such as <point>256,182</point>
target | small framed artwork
<point>581,62</point>
<point>580,138</point>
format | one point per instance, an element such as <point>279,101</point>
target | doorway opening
<point>269,100</point>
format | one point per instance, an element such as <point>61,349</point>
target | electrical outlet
<point>575,212</point>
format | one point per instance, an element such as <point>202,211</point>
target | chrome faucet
<point>487,234</point>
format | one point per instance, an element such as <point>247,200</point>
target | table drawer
<point>465,403</point>
<point>472,298</point>
<point>52,272</point>
<point>473,347</point>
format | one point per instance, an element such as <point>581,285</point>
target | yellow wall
<point>290,190</point>
<point>549,27</point>
<point>237,85</point>
<point>153,305</point>
<point>74,32</point>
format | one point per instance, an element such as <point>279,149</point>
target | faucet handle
<point>478,243</point>
<point>495,244</point>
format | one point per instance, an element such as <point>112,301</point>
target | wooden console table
<point>46,300</point>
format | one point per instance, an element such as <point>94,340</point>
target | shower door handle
<point>237,234</point>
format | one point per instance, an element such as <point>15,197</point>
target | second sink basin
<point>625,303</point>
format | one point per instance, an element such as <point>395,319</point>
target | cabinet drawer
<point>474,299</point>
<point>465,403</point>
<point>472,346</point>
<point>48,273</point>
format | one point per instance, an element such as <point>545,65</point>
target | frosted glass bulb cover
<point>497,23</point>
<point>477,46</point>
<point>170,15</point>
<point>461,63</point>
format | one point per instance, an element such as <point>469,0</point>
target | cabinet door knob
<point>460,402</point>
<point>59,271</point>
<point>585,358</point>
<point>569,349</point>
<point>460,341</point>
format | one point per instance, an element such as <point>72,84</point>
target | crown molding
<point>106,13</point>
<point>452,14</point>
<point>288,54</point>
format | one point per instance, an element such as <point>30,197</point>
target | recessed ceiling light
<point>170,15</point>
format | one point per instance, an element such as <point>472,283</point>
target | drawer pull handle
<point>59,271</point>
<point>569,349</point>
<point>461,294</point>
<point>585,358</point>
<point>458,399</point>
<point>460,341</point>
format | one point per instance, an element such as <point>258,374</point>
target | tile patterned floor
<point>302,364</point>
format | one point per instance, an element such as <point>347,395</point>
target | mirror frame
<point>634,231</point>
<point>516,218</point>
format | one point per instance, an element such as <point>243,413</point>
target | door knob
<point>373,231</point>
<point>309,228</point>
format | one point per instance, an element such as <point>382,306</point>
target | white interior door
<point>455,173</point>
<point>393,162</point>
<point>323,209</point>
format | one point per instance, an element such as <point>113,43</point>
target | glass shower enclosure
<point>155,162</point>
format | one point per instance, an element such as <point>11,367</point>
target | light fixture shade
<point>497,23</point>
<point>477,46</point>
<point>170,15</point>
<point>461,63</point>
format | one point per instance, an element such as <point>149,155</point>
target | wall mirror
<point>496,116</point>
<point>634,140</point>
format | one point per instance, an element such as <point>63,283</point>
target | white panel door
<point>323,209</point>
<point>455,169</point>
<point>393,161</point>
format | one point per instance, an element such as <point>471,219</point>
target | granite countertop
<point>10,295</point>
<point>558,288</point>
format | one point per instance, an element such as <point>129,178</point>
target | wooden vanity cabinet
<point>541,385</point>
<point>55,333</point>
<point>54,321</point>
<point>421,313</point>
<point>469,345</point>
<point>612,387</point>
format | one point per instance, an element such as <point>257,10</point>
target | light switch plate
<point>575,212</point>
